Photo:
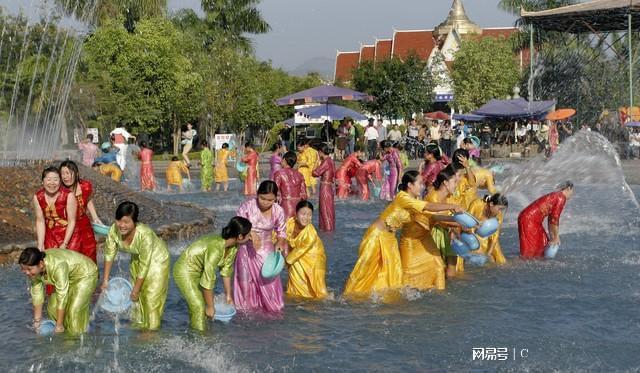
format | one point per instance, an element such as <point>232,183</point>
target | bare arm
<point>227,289</point>
<point>553,232</point>
<point>37,314</point>
<point>436,207</point>
<point>210,310</point>
<point>106,274</point>
<point>135,292</point>
<point>59,320</point>
<point>92,211</point>
<point>72,207</point>
<point>40,229</point>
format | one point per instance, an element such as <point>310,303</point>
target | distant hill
<point>322,65</point>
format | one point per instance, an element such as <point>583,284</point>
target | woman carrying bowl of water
<point>533,237</point>
<point>74,277</point>
<point>149,265</point>
<point>195,270</point>
<point>83,238</point>
<point>492,206</point>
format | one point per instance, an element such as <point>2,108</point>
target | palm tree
<point>131,10</point>
<point>235,18</point>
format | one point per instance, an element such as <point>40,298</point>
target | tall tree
<point>232,19</point>
<point>483,69</point>
<point>130,11</point>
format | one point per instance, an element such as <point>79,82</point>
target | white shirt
<point>395,135</point>
<point>371,133</point>
<point>434,131</point>
<point>413,131</point>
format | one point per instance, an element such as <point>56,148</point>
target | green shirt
<point>145,247</point>
<point>203,257</point>
<point>63,269</point>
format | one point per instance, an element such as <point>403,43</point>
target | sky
<point>308,33</point>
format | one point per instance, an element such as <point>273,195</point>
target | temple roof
<point>419,42</point>
<point>345,62</point>
<point>457,19</point>
<point>383,49</point>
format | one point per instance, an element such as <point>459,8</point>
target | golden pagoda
<point>457,20</point>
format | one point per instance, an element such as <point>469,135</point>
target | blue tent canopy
<point>332,111</point>
<point>322,94</point>
<point>469,117</point>
<point>514,109</point>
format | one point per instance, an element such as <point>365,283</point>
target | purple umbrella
<point>633,124</point>
<point>323,94</point>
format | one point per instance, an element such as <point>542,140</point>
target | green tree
<point>232,19</point>
<point>483,69</point>
<point>129,12</point>
<point>143,79</point>
<point>400,87</point>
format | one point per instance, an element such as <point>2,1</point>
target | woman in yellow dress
<point>306,259</point>
<point>484,179</point>
<point>443,190</point>
<point>466,191</point>
<point>174,173</point>
<point>379,266</point>
<point>149,265</point>
<point>307,161</point>
<point>492,206</point>
<point>221,167</point>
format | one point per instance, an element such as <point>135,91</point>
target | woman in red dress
<point>55,210</point>
<point>326,172</point>
<point>370,171</point>
<point>290,183</point>
<point>251,158</point>
<point>533,237</point>
<point>147,179</point>
<point>83,239</point>
<point>348,170</point>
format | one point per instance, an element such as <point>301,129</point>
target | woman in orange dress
<point>147,179</point>
<point>251,158</point>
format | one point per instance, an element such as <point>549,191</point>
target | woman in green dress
<point>206,167</point>
<point>195,271</point>
<point>73,275</point>
<point>149,266</point>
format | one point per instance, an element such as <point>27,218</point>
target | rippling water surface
<point>578,312</point>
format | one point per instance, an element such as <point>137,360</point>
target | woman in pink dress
<point>392,158</point>
<point>147,179</point>
<point>370,171</point>
<point>326,172</point>
<point>276,160</point>
<point>346,171</point>
<point>251,158</point>
<point>252,292</point>
<point>433,164</point>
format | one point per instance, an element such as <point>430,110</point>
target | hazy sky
<point>303,30</point>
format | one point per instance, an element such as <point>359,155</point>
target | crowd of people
<point>277,215</point>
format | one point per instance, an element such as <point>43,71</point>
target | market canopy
<point>323,94</point>
<point>469,117</point>
<point>515,109</point>
<point>590,17</point>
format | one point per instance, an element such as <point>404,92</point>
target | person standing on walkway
<point>120,138</point>
<point>371,133</point>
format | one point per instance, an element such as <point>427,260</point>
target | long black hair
<point>268,187</point>
<point>497,199</point>
<point>31,256</point>
<point>235,227</point>
<point>434,150</point>
<point>409,177</point>
<point>73,167</point>
<point>447,174</point>
<point>128,208</point>
<point>291,158</point>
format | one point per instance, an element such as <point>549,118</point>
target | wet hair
<point>90,137</point>
<point>143,144</point>
<point>235,227</point>
<point>385,144</point>
<point>497,199</point>
<point>326,149</point>
<point>291,158</point>
<point>565,185</point>
<point>73,167</point>
<point>174,158</point>
<point>456,166</point>
<point>460,151</point>
<point>31,256</point>
<point>128,208</point>
<point>357,148</point>
<point>467,140</point>
<point>447,174</point>
<point>409,177</point>
<point>248,144</point>
<point>276,146</point>
<point>50,169</point>
<point>268,187</point>
<point>304,203</point>
<point>434,150</point>
<point>225,145</point>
